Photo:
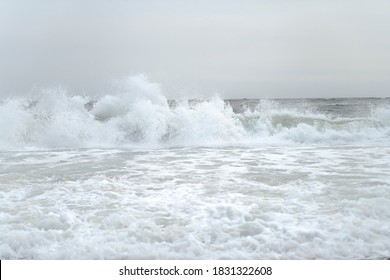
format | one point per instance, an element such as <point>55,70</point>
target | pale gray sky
<point>252,49</point>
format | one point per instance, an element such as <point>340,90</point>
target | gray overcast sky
<point>252,49</point>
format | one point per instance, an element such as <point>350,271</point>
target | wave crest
<point>138,115</point>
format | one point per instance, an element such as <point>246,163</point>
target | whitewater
<point>133,175</point>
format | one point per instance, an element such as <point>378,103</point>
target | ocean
<point>137,176</point>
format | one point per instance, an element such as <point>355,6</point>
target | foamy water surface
<point>273,203</point>
<point>132,175</point>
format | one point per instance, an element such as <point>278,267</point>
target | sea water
<point>133,175</point>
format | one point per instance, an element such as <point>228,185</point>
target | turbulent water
<point>132,175</point>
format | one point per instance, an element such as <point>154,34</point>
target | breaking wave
<point>138,115</point>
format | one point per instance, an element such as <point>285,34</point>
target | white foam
<point>196,203</point>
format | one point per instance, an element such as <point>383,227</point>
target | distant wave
<point>139,115</point>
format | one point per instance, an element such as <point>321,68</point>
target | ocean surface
<point>136,176</point>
